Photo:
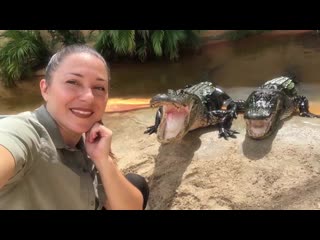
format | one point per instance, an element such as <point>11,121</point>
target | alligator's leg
<point>225,127</point>
<point>235,107</point>
<point>217,113</point>
<point>232,109</point>
<point>303,105</point>
<point>225,123</point>
<point>154,128</point>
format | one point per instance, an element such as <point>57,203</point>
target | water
<point>237,67</point>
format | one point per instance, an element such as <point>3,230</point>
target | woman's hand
<point>98,143</point>
<point>121,194</point>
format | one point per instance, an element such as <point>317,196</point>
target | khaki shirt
<point>48,174</point>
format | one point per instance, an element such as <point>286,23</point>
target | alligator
<point>274,101</point>
<point>192,107</point>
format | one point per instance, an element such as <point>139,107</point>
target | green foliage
<point>104,44</point>
<point>157,40</point>
<point>23,52</point>
<point>66,37</point>
<point>171,43</point>
<point>240,34</point>
<point>112,43</point>
<point>143,44</point>
<point>123,41</point>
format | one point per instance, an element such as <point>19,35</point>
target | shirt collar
<point>51,126</point>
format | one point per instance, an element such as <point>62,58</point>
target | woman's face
<point>78,92</point>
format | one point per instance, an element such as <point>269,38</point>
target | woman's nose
<point>86,95</point>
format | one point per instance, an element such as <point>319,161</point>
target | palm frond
<point>123,41</point>
<point>103,43</point>
<point>142,52</point>
<point>156,40</point>
<point>144,34</point>
<point>67,37</point>
<point>172,39</point>
<point>24,50</point>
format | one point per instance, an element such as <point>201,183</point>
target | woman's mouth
<point>81,113</point>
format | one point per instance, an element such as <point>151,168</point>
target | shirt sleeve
<point>21,139</point>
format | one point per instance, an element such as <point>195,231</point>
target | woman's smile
<point>81,113</point>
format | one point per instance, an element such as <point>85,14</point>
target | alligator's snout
<point>258,114</point>
<point>165,99</point>
<point>258,129</point>
<point>258,122</point>
<point>261,112</point>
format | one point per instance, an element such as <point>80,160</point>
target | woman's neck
<point>71,139</point>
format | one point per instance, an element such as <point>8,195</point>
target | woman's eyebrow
<point>80,75</point>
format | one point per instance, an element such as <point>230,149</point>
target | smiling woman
<point>61,150</point>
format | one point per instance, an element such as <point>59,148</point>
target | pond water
<point>237,67</point>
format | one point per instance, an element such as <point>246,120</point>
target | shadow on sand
<point>170,165</point>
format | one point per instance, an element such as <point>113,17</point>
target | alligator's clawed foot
<point>227,133</point>
<point>150,130</point>
<point>225,126</point>
<point>308,114</point>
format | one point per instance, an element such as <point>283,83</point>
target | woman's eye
<point>100,88</point>
<point>72,82</point>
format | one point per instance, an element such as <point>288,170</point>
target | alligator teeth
<point>258,128</point>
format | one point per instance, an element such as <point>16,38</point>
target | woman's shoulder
<point>20,123</point>
<point>23,117</point>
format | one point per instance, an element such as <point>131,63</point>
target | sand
<point>205,172</point>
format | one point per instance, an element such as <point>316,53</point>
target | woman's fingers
<point>94,133</point>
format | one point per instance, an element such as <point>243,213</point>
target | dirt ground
<point>205,172</point>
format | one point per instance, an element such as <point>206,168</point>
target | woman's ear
<point>44,89</point>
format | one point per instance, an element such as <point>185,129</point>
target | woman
<point>58,156</point>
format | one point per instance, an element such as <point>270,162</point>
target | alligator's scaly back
<point>201,90</point>
<point>287,91</point>
<point>285,84</point>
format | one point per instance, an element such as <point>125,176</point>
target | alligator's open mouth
<point>174,122</point>
<point>259,128</point>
